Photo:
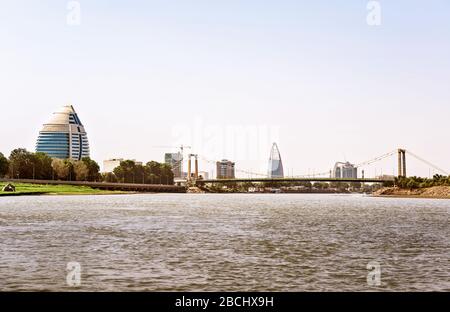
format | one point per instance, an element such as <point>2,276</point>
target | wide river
<point>214,242</point>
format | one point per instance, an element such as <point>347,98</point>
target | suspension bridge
<point>325,176</point>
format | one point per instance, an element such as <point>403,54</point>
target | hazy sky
<point>229,77</point>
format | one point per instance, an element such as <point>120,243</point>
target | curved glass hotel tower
<point>275,163</point>
<point>64,136</point>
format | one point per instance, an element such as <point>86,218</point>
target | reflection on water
<point>214,242</point>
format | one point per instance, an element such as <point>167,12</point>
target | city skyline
<point>224,154</point>
<point>316,78</point>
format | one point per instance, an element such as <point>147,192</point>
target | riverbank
<point>438,192</point>
<point>23,189</point>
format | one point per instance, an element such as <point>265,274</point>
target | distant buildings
<point>225,169</point>
<point>275,164</point>
<point>64,136</point>
<point>345,170</point>
<point>110,164</point>
<point>386,177</point>
<point>175,160</point>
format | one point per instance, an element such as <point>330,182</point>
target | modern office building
<point>64,136</point>
<point>275,163</point>
<point>345,170</point>
<point>175,160</point>
<point>225,169</point>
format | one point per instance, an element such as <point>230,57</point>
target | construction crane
<point>181,147</point>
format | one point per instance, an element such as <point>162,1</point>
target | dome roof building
<point>64,136</point>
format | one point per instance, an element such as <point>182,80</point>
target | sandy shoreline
<point>435,192</point>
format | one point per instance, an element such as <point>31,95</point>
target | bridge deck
<point>294,180</point>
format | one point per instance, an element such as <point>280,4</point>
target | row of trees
<point>333,186</point>
<point>418,182</point>
<point>151,173</point>
<point>317,185</point>
<point>23,164</point>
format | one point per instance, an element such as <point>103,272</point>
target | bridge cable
<point>428,163</point>
<point>365,163</point>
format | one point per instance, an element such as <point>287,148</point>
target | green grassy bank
<point>44,189</point>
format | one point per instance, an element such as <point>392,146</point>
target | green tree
<point>355,185</point>
<point>60,169</point>
<point>306,184</point>
<point>321,185</point>
<point>125,172</point>
<point>81,170</point>
<point>166,174</point>
<point>154,168</point>
<point>152,173</point>
<point>21,164</point>
<point>139,174</point>
<point>4,165</point>
<point>42,166</point>
<point>109,177</point>
<point>388,184</point>
<point>93,169</point>
<point>412,183</point>
<point>152,179</point>
<point>158,173</point>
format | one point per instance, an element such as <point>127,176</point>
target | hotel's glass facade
<point>64,136</point>
<point>275,163</point>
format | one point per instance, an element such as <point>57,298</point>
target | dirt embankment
<point>429,192</point>
<point>195,190</point>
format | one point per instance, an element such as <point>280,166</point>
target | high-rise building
<point>225,169</point>
<point>175,160</point>
<point>275,163</point>
<point>345,170</point>
<point>64,136</point>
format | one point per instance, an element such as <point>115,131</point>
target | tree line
<point>23,164</point>
<point>151,173</point>
<point>418,182</point>
<point>307,186</point>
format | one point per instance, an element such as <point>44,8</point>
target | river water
<point>221,242</point>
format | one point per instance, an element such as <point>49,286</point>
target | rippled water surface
<point>213,242</point>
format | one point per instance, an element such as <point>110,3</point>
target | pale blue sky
<point>136,71</point>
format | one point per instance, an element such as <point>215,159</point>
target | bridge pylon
<point>189,173</point>
<point>401,162</point>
